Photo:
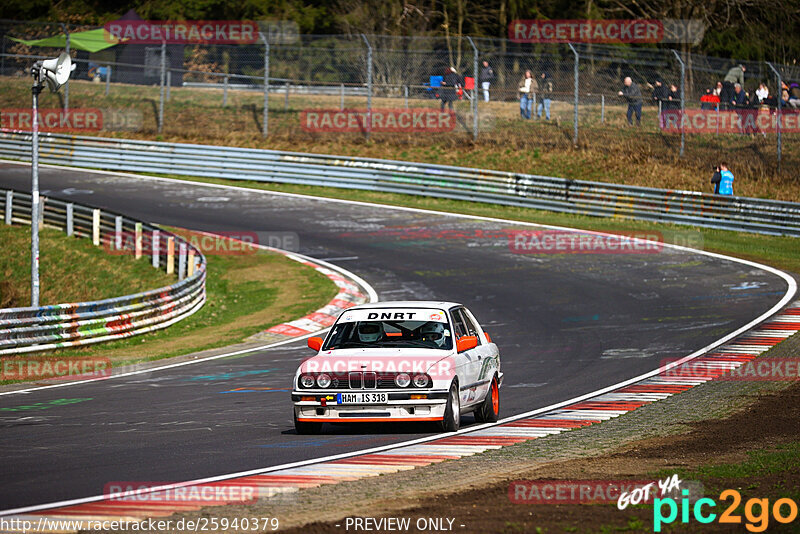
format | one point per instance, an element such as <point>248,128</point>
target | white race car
<point>399,361</point>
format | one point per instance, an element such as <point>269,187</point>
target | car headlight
<point>323,380</point>
<point>307,381</point>
<point>402,380</point>
<point>420,381</point>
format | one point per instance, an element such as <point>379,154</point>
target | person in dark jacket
<point>450,82</point>
<point>673,98</point>
<point>660,92</point>
<point>487,77</point>
<point>633,96</point>
<point>735,75</point>
<point>546,89</point>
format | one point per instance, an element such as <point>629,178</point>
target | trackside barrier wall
<point>34,329</point>
<point>495,187</point>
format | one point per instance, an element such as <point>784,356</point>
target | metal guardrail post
<point>190,264</point>
<point>170,255</point>
<point>474,90</point>
<point>70,219</point>
<point>96,227</point>
<point>108,78</point>
<point>683,98</point>
<point>602,108</point>
<point>137,244</point>
<point>162,81</point>
<point>265,120</point>
<point>118,232</point>
<point>181,260</point>
<point>780,111</point>
<point>369,85</point>
<point>9,205</point>
<point>575,113</point>
<point>155,242</point>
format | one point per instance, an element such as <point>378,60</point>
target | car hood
<point>408,360</point>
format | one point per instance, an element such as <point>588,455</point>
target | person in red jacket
<point>709,100</point>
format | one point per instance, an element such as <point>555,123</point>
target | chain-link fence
<point>293,90</point>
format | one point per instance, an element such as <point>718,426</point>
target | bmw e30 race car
<point>399,361</point>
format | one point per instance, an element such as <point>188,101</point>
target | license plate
<point>362,398</point>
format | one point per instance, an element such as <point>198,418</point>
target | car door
<point>470,360</point>
<point>488,360</point>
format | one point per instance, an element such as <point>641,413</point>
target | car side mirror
<point>466,343</point>
<point>488,337</point>
<point>315,343</point>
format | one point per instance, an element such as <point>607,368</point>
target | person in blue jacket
<point>722,180</point>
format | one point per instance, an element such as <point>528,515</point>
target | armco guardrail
<point>34,329</point>
<point>496,187</point>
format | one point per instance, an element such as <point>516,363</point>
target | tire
<point>452,411</point>
<point>305,428</point>
<point>489,411</point>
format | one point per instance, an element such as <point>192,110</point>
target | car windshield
<point>390,334</point>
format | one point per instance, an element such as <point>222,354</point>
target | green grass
<point>780,252</point>
<point>785,457</point>
<point>70,270</point>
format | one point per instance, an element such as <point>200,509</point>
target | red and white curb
<point>350,294</point>
<point>267,483</point>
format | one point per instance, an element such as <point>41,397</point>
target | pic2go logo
<point>756,511</point>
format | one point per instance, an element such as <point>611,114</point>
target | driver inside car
<point>370,332</point>
<point>433,333</point>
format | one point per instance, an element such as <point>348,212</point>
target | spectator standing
<point>546,89</point>
<point>718,89</point>
<point>762,93</point>
<point>633,96</point>
<point>450,82</point>
<point>527,87</point>
<point>709,101</point>
<point>660,93</point>
<point>487,77</point>
<point>673,97</point>
<point>734,76</point>
<point>722,180</point>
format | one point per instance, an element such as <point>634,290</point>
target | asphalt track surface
<point>565,324</point>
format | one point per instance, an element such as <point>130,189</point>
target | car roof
<point>406,304</point>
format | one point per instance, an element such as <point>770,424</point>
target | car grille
<point>363,380</point>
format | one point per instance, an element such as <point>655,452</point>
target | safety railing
<point>42,328</point>
<point>495,187</point>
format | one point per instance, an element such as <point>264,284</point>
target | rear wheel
<point>305,427</point>
<point>452,411</point>
<point>490,408</point>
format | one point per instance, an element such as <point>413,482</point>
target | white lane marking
<point>791,291</point>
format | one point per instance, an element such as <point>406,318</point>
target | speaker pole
<point>35,90</point>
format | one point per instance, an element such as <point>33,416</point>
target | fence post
<point>108,78</point>
<point>265,122</point>
<point>405,95</point>
<point>155,242</point>
<point>181,260</point>
<point>369,84</point>
<point>70,219</point>
<point>169,84</point>
<point>225,92</point>
<point>9,205</point>
<point>286,98</point>
<point>118,232</point>
<point>96,227</point>
<point>575,113</point>
<point>778,123</point>
<point>341,96</point>
<point>474,90</point>
<point>190,264</point>
<point>137,240</point>
<point>66,85</point>
<point>602,109</point>
<point>683,97</point>
<point>162,80</point>
<point>170,255</point>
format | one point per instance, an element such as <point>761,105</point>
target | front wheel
<point>489,411</point>
<point>305,427</point>
<point>452,411</point>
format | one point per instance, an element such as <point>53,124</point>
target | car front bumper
<point>399,408</point>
